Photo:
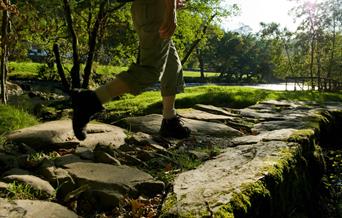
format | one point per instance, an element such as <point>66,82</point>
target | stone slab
<point>59,134</point>
<point>151,124</point>
<point>33,209</point>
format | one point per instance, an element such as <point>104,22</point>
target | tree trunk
<point>60,69</point>
<point>4,53</point>
<point>312,53</point>
<point>75,70</point>
<point>332,54</point>
<point>201,63</point>
<point>92,44</point>
<point>318,59</point>
<point>289,58</point>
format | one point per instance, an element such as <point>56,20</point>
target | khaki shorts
<point>159,59</point>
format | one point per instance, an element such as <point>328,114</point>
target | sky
<point>252,12</point>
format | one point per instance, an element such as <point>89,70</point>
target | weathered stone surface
<point>7,162</point>
<point>67,159</point>
<point>205,191</point>
<point>248,112</point>
<point>144,139</point>
<point>122,179</point>
<point>89,200</point>
<point>33,209</point>
<point>55,176</point>
<point>14,89</point>
<point>84,152</point>
<point>103,157</point>
<point>202,115</point>
<point>151,124</point>
<point>215,110</point>
<point>275,135</point>
<point>278,125</point>
<point>59,134</point>
<point>35,182</point>
<point>3,186</point>
<point>212,184</point>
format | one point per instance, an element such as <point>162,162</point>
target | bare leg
<point>112,89</point>
<point>169,110</point>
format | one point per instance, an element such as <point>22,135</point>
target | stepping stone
<point>151,124</point>
<point>202,191</point>
<point>35,182</point>
<point>34,209</point>
<point>59,134</point>
<point>122,179</point>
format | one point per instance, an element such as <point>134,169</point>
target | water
<point>281,87</point>
<point>272,86</point>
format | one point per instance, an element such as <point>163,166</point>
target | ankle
<point>169,114</point>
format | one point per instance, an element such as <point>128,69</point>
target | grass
<point>23,69</point>
<point>29,70</point>
<point>19,191</point>
<point>198,74</point>
<point>12,118</point>
<point>227,96</point>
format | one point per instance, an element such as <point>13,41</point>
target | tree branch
<point>75,70</point>
<point>60,69</point>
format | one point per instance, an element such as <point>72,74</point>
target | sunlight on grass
<point>198,74</point>
<point>12,118</point>
<point>227,96</point>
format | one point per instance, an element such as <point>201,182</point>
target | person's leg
<point>169,110</point>
<point>153,55</point>
<point>112,89</point>
<point>172,83</point>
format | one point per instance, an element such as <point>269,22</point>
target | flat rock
<point>33,209</point>
<point>151,124</point>
<point>248,112</point>
<point>275,135</point>
<point>35,182</point>
<point>59,134</point>
<point>211,185</point>
<point>279,125</point>
<point>202,115</point>
<point>214,110</point>
<point>122,179</point>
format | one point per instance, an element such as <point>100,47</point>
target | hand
<point>168,27</point>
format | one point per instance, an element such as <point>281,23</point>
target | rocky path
<point>233,160</point>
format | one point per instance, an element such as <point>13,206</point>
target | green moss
<point>168,205</point>
<point>302,135</point>
<point>169,209</point>
<point>241,202</point>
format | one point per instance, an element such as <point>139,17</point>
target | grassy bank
<point>228,96</point>
<point>12,118</point>
<point>29,70</point>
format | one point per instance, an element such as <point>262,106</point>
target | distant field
<point>30,70</point>
<point>23,69</point>
<point>198,74</point>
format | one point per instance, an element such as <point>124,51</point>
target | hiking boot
<point>174,128</point>
<point>85,104</point>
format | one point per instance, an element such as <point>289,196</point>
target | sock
<point>110,90</point>
<point>169,110</point>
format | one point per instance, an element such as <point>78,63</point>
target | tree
<point>7,9</point>
<point>279,40</point>
<point>319,26</point>
<point>200,16</point>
